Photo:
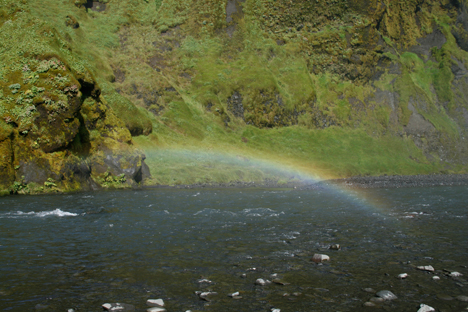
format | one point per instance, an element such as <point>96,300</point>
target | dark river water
<point>78,251</point>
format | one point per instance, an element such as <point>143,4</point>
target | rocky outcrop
<point>64,137</point>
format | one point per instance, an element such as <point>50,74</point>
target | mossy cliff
<point>335,88</point>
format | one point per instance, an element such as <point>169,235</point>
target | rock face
<point>71,138</point>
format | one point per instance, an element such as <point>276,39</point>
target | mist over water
<point>82,250</point>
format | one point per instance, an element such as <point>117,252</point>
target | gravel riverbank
<point>395,181</point>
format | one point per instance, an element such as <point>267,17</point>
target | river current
<point>78,251</point>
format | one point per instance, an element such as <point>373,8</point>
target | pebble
<point>155,302</point>
<point>402,275</point>
<point>369,290</point>
<point>386,295</point>
<point>275,310</point>
<point>436,278</point>
<point>462,298</point>
<point>319,258</point>
<point>455,274</point>
<point>369,304</point>
<point>335,247</point>
<point>425,308</point>
<point>70,310</point>
<point>428,268</point>
<point>262,282</point>
<point>204,280</point>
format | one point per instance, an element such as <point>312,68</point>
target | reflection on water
<point>82,250</point>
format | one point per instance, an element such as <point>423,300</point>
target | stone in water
<point>156,309</point>
<point>402,275</point>
<point>386,295</point>
<point>319,258</point>
<point>455,274</point>
<point>155,302</point>
<point>428,268</point>
<point>262,282</point>
<point>425,308</point>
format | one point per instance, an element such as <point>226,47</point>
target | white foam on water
<point>41,214</point>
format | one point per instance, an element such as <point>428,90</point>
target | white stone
<point>455,274</point>
<point>425,308</point>
<point>155,302</point>
<point>319,258</point>
<point>156,309</point>
<point>402,275</point>
<point>262,282</point>
<point>428,268</point>
<point>436,278</point>
<point>107,306</point>
<point>235,294</point>
<point>275,310</point>
<point>386,295</point>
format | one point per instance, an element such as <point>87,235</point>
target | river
<point>78,251</point>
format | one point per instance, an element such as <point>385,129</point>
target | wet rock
<point>204,295</point>
<point>156,309</point>
<point>425,308</point>
<point>369,304</point>
<point>70,310</point>
<point>376,300</point>
<point>275,310</point>
<point>297,294</point>
<point>335,247</point>
<point>462,298</point>
<point>120,307</point>
<point>455,274</point>
<point>155,302</point>
<point>235,295</point>
<point>386,295</point>
<point>402,275</point>
<point>204,280</point>
<point>445,297</point>
<point>280,282</point>
<point>262,282</point>
<point>427,268</point>
<point>436,278</point>
<point>319,258</point>
<point>370,290</point>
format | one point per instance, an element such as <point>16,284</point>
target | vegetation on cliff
<point>328,88</point>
